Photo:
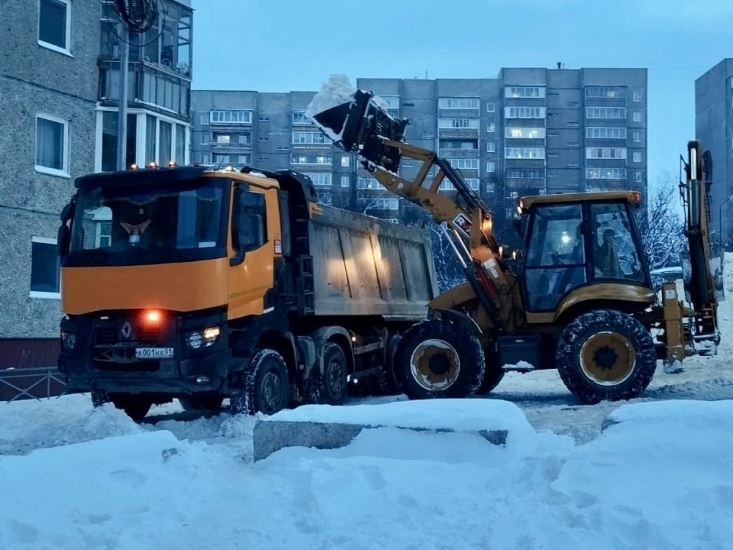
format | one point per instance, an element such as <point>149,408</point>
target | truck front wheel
<point>439,359</point>
<point>135,406</point>
<point>606,355</point>
<point>266,387</point>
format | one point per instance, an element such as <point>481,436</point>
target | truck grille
<point>110,335</point>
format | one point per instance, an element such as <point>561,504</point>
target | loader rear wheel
<point>606,355</point>
<point>266,385</point>
<point>439,359</point>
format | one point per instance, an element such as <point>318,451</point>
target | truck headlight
<point>200,339</point>
<point>68,340</point>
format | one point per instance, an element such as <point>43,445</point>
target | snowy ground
<point>658,476</point>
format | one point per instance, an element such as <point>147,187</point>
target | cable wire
<point>138,15</point>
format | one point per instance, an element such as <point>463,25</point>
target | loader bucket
<point>360,126</point>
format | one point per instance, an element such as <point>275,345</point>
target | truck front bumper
<point>103,352</point>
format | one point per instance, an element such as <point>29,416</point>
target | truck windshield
<point>185,217</point>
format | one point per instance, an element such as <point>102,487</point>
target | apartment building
<point>158,91</point>
<point>48,86</point>
<point>714,128</point>
<point>59,84</point>
<point>269,131</point>
<point>526,131</point>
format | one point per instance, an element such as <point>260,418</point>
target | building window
<point>606,132</point>
<point>637,137</point>
<point>491,147</point>
<point>605,152</point>
<point>319,179</point>
<point>637,96</point>
<point>308,138</point>
<point>458,103</point>
<point>204,119</point>
<point>312,159</point>
<point>491,127</point>
<point>524,91</point>
<point>458,123</point>
<point>490,107</point>
<point>606,173</point>
<point>524,133</point>
<point>491,167</point>
<point>345,181</point>
<point>205,138</point>
<point>524,112</point>
<point>637,156</point>
<point>243,159</point>
<point>524,152</point>
<point>464,164</point>
<point>345,161</point>
<point>52,145</point>
<point>45,269</point>
<point>299,118</point>
<point>605,112</point>
<point>637,177</point>
<point>636,116</point>
<point>54,26</point>
<point>392,101</point>
<point>230,117</point>
<point>604,91</point>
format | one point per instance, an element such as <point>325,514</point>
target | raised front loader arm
<point>363,126</point>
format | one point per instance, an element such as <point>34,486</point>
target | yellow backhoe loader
<point>578,297</point>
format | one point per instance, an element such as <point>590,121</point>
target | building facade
<point>528,131</point>
<point>59,79</point>
<point>714,129</point>
<point>48,92</point>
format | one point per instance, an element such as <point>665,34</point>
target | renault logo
<point>126,330</point>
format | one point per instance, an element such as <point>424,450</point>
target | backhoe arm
<point>701,282</point>
<point>363,126</point>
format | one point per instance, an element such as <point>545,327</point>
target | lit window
<point>345,161</point>
<point>53,24</point>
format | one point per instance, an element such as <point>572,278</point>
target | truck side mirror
<point>248,223</point>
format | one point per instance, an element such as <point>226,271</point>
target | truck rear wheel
<point>266,387</point>
<point>201,402</point>
<point>335,374</point>
<point>438,359</point>
<point>606,355</point>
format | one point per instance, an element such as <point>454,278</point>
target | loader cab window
<point>616,251</point>
<point>556,254</point>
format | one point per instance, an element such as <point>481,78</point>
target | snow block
<point>328,427</point>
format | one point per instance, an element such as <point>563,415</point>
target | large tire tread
<point>568,356</point>
<point>471,357</point>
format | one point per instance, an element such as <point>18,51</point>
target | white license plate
<point>153,353</point>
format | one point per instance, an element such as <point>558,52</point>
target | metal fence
<point>30,383</point>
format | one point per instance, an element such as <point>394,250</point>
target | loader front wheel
<point>606,355</point>
<point>439,359</point>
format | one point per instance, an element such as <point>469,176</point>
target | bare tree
<point>661,225</point>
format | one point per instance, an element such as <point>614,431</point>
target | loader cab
<point>581,240</point>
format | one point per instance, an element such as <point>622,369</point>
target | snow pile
<point>657,477</point>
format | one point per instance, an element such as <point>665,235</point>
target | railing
<point>31,383</point>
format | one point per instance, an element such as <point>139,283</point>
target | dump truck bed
<point>368,266</point>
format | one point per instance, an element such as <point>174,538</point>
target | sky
<point>296,45</point>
